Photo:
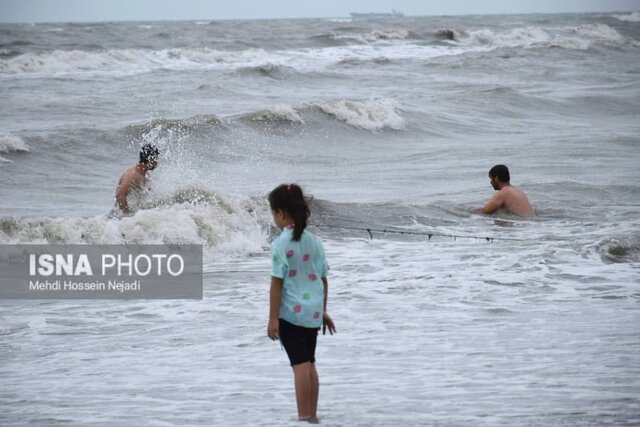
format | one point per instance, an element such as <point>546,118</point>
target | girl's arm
<point>275,295</point>
<point>327,321</point>
<point>325,284</point>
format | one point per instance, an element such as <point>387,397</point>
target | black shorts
<point>298,342</point>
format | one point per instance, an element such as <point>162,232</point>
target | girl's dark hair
<point>289,198</point>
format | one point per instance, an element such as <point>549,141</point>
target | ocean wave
<point>128,60</point>
<point>268,69</point>
<point>274,64</point>
<point>632,17</point>
<point>283,114</point>
<point>379,60</point>
<point>15,43</point>
<point>164,127</point>
<point>374,115</point>
<point>580,38</point>
<point>192,215</point>
<point>9,53</point>
<point>450,34</point>
<point>366,38</point>
<point>329,40</point>
<point>392,34</point>
<point>340,39</point>
<point>360,38</point>
<point>11,143</point>
<point>617,250</point>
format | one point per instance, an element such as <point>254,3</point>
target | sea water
<point>388,125</point>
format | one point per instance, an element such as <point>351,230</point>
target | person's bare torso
<point>134,176</point>
<point>133,180</point>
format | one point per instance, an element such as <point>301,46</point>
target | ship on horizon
<point>366,16</point>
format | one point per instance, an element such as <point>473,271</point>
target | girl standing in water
<point>298,295</point>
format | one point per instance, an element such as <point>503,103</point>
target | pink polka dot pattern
<point>305,258</point>
<point>316,315</point>
<point>289,253</point>
<point>297,309</point>
<point>313,277</point>
<point>293,273</point>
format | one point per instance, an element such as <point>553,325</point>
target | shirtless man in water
<point>508,197</point>
<point>135,177</point>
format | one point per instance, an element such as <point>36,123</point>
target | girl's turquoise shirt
<point>302,266</point>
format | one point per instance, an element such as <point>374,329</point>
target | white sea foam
<point>582,37</point>
<point>374,115</point>
<point>128,60</point>
<point>632,17</point>
<point>133,61</point>
<point>188,216</point>
<point>393,34</point>
<point>10,143</point>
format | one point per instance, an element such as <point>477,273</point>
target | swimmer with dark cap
<point>133,180</point>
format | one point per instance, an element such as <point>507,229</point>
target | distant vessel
<point>366,16</point>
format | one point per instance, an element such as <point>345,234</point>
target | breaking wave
<point>614,250</point>
<point>191,215</point>
<point>379,60</point>
<point>284,114</point>
<point>392,34</point>
<point>633,17</point>
<point>581,38</point>
<point>374,115</point>
<point>268,69</point>
<point>128,60</point>
<point>362,38</point>
<point>11,143</point>
<point>163,127</point>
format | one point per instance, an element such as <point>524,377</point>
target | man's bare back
<point>134,178</point>
<point>508,197</point>
<point>511,199</point>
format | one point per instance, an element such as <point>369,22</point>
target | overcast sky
<point>139,10</point>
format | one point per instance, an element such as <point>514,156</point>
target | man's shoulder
<point>513,191</point>
<point>129,172</point>
<point>510,189</point>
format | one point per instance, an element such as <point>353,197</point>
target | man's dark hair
<point>501,171</point>
<point>149,153</point>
